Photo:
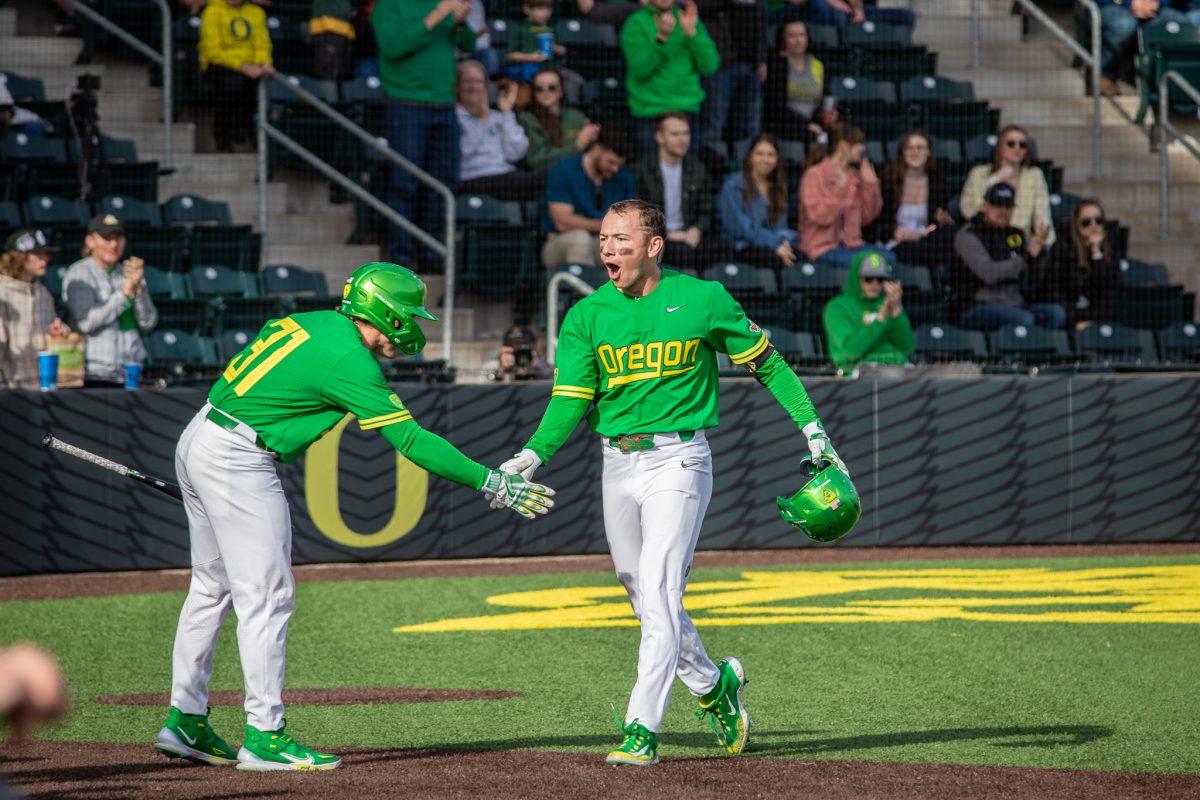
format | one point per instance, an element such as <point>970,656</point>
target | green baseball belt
<point>636,442</point>
<point>223,420</point>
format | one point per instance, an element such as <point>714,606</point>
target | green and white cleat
<point>639,748</point>
<point>726,711</point>
<point>271,751</point>
<point>190,736</point>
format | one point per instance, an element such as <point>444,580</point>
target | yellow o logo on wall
<point>321,494</point>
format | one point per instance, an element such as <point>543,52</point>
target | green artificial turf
<point>1051,694</point>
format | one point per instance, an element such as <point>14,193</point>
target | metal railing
<point>1166,131</point>
<point>1090,59</point>
<point>267,130</point>
<point>557,280</point>
<point>163,59</point>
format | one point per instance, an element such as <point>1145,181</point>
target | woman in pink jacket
<point>839,196</point>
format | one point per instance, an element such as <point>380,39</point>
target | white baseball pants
<point>241,542</point>
<point>654,504</point>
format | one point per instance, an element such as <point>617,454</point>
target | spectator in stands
<point>839,194</point>
<point>578,193</point>
<point>794,103</point>
<point>845,12</point>
<point>109,303</point>
<point>492,141</point>
<point>733,94</point>
<point>518,358</point>
<point>995,259</point>
<point>531,42</point>
<point>1086,276</point>
<point>1012,163</point>
<point>235,51</point>
<point>331,31</point>
<point>611,13</point>
<point>753,208</point>
<point>915,197</point>
<point>866,323</point>
<point>1119,23</point>
<point>678,184</point>
<point>555,131</point>
<point>666,49</point>
<point>26,308</point>
<point>484,52</point>
<point>416,41</point>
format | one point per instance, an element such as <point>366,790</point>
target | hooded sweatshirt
<point>665,76</point>
<point>26,311</point>
<point>856,332</point>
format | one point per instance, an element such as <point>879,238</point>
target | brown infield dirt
<point>45,769</point>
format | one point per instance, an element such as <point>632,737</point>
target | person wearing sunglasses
<point>555,130</point>
<point>1085,278</point>
<point>866,323</point>
<point>997,263</point>
<point>1012,163</point>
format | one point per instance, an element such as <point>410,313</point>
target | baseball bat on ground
<point>166,487</point>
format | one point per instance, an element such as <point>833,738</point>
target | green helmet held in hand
<point>825,508</point>
<point>388,296</point>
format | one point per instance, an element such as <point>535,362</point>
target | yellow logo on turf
<point>1162,594</point>
<point>645,361</point>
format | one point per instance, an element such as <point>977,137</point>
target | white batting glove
<point>524,463</point>
<point>820,446</point>
<point>510,490</point>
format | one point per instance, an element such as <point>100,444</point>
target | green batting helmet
<point>825,508</point>
<point>388,296</point>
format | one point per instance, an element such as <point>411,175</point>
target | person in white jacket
<point>492,141</point>
<point>26,308</point>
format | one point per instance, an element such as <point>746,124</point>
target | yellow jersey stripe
<point>582,389</point>
<point>369,420</point>
<point>621,380</point>
<point>753,352</point>
<point>575,395</point>
<point>380,423</point>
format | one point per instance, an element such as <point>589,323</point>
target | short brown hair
<point>651,216</point>
<point>666,115</point>
<point>537,3</point>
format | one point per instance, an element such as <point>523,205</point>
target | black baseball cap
<point>1000,194</point>
<point>106,225</point>
<point>29,240</point>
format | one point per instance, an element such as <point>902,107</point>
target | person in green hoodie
<point>416,65</point>
<point>866,322</point>
<point>666,49</point>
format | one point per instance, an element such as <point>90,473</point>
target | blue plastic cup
<point>133,376</point>
<point>544,43</point>
<point>48,371</point>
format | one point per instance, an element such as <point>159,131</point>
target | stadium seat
<point>45,209</point>
<point>299,305</point>
<point>177,350</point>
<point>932,88</point>
<point>978,149</point>
<point>961,121</point>
<point>229,245</point>
<point>871,35</point>
<point>291,51</point>
<point>1020,344</point>
<point>898,64</point>
<point>213,280</point>
<point>286,280</point>
<point>29,147</point>
<point>1062,204</point>
<point>116,151</point>
<point>138,180</point>
<point>232,342</point>
<point>190,209</point>
<point>50,177</point>
<point>69,239</point>
<point>948,343</point>
<point>1110,342</point>
<point>821,37</point>
<point>234,313</point>
<point>605,100</point>
<point>130,210</point>
<point>367,89</point>
<point>862,90</point>
<point>163,247</point>
<point>797,347</point>
<point>742,279</point>
<point>1166,46</point>
<point>592,49</point>
<point>915,279</point>
<point>497,259</point>
<point>184,315</point>
<point>10,215</point>
<point>166,285</point>
<point>810,287</point>
<point>471,209</point>
<point>1152,307</point>
<point>1141,273</point>
<point>1180,342</point>
<point>53,279</point>
<point>22,89</point>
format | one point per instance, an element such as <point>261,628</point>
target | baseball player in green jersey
<point>289,386</point>
<point>638,358</point>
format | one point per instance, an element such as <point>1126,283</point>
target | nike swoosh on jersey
<point>671,310</point>
<point>306,760</point>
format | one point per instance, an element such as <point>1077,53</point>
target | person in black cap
<point>26,308</point>
<point>996,259</point>
<point>109,303</point>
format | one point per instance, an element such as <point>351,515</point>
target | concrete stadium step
<point>1010,87</point>
<point>26,54</point>
<point>8,22</point>
<point>1001,57</point>
<point>464,331</point>
<point>232,168</point>
<point>947,33</point>
<point>1133,197</point>
<point>926,9</point>
<point>144,105</point>
<point>149,135</point>
<point>1069,110</point>
<point>335,260</point>
<point>311,227</point>
<point>59,81</point>
<point>243,202</point>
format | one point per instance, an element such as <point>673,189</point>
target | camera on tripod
<point>85,120</point>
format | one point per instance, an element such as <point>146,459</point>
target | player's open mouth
<point>614,269</point>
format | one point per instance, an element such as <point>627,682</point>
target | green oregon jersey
<point>649,363</point>
<point>300,377</point>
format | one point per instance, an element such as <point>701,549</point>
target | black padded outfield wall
<point>948,461</point>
